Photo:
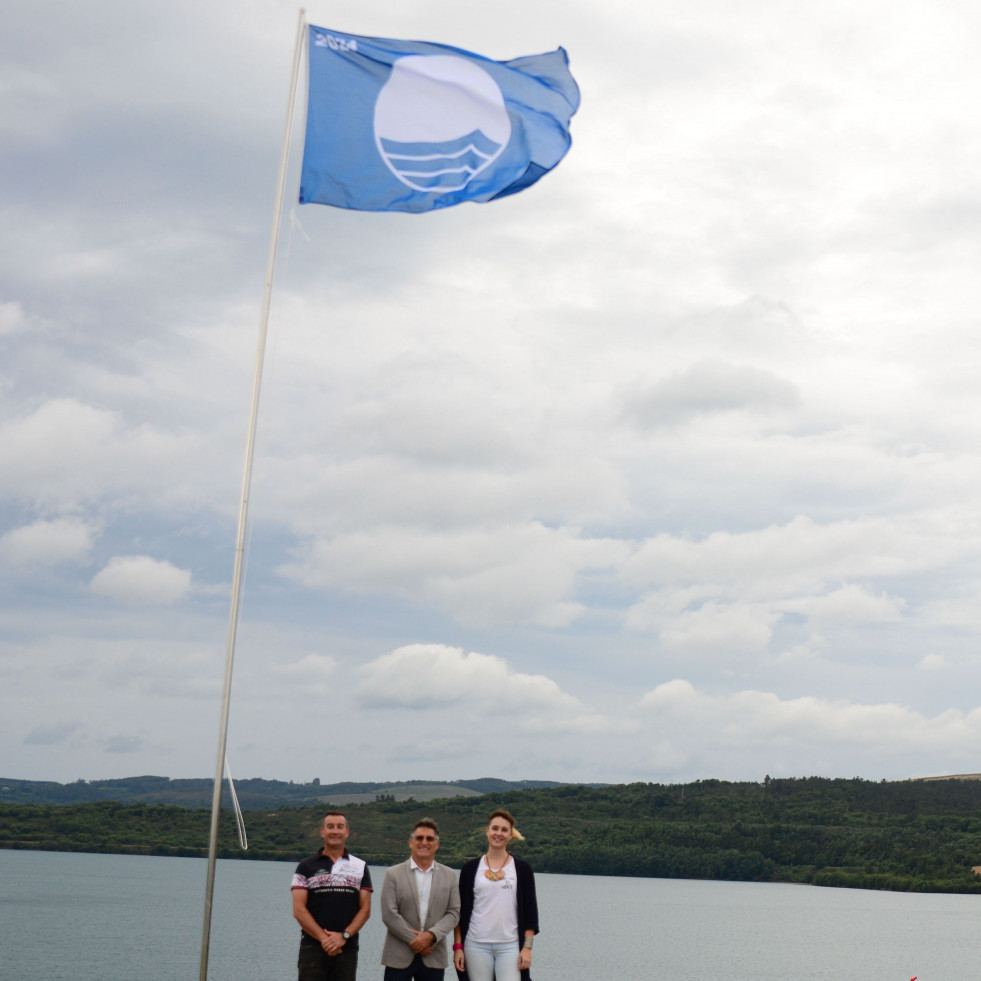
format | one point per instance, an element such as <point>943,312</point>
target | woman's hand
<point>458,960</point>
<point>524,959</point>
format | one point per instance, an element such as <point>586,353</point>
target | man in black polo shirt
<point>331,902</point>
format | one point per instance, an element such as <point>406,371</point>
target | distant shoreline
<point>911,835</point>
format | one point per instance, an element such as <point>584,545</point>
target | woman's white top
<point>495,906</point>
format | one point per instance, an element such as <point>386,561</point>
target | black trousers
<point>416,971</point>
<point>314,965</point>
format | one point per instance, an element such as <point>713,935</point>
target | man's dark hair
<point>426,823</point>
<point>339,814</point>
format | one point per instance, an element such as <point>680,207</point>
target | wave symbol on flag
<point>439,121</point>
<point>441,167</point>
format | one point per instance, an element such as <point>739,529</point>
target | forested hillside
<point>922,836</point>
<point>252,793</point>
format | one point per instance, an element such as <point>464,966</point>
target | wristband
<point>458,946</point>
<point>528,942</point>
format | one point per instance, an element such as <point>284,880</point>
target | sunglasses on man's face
<point>423,837</point>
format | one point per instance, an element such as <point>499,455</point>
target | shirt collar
<point>413,864</point>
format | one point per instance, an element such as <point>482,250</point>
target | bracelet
<point>528,942</point>
<point>458,946</point>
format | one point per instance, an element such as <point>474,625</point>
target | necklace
<point>495,875</point>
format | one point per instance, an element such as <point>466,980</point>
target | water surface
<point>77,917</point>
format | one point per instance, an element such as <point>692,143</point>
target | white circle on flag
<point>439,121</point>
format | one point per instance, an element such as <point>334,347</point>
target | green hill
<point>252,793</point>
<point>910,835</point>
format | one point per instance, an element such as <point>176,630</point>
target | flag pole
<point>244,506</point>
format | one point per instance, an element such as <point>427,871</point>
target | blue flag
<point>413,126</point>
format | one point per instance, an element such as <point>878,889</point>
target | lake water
<point>77,917</point>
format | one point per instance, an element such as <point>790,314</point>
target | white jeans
<point>487,961</point>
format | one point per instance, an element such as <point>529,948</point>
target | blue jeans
<point>485,962</point>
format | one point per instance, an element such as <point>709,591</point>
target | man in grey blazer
<point>420,904</point>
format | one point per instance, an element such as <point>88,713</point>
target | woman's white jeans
<point>485,961</point>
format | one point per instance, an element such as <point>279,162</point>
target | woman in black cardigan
<point>498,910</point>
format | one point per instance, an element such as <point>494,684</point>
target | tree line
<point>252,793</point>
<point>910,835</point>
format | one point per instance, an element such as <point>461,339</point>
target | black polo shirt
<point>333,891</point>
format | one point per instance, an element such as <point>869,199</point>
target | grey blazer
<point>400,913</point>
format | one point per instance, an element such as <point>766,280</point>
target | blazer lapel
<point>414,892</point>
<point>437,890</point>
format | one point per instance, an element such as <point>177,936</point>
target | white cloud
<point>138,580</point>
<point>810,648</point>
<point>312,668</point>
<point>720,628</point>
<point>482,576</point>
<point>714,726</point>
<point>848,605</point>
<point>958,607</point>
<point>433,677</point>
<point>57,734</point>
<point>711,386</point>
<point>125,744</point>
<point>803,552</point>
<point>66,451</point>
<point>12,318</point>
<point>732,591</point>
<point>427,675</point>
<point>317,673</point>
<point>47,542</point>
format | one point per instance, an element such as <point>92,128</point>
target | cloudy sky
<point>667,468</point>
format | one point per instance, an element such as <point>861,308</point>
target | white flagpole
<point>244,508</point>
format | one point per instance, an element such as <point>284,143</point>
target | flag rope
<point>243,838</point>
